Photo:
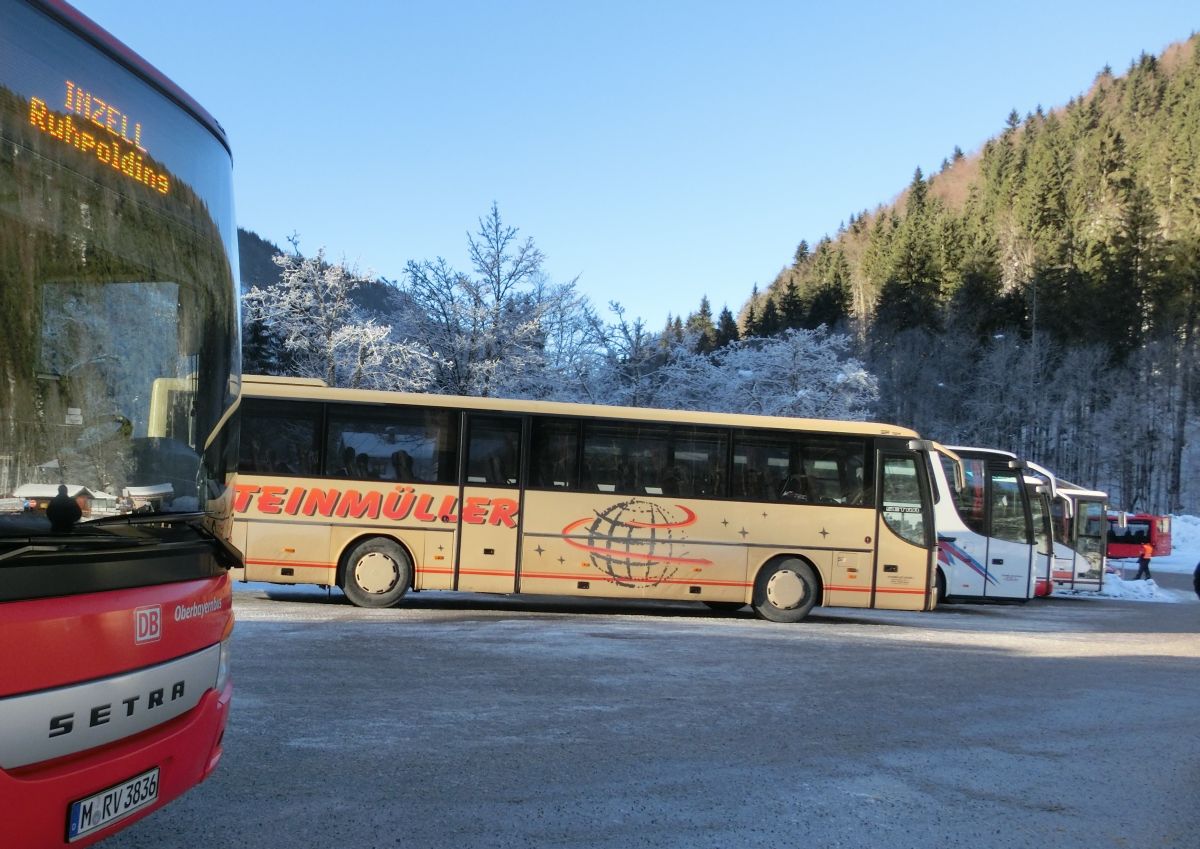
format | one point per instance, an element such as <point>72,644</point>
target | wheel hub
<point>786,590</point>
<point>376,573</point>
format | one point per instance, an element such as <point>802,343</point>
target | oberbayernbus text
<point>117,262</point>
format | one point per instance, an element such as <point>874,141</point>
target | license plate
<point>108,806</point>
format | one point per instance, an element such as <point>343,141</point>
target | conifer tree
<point>792,311</point>
<point>727,329</point>
<point>769,324</point>
<point>700,326</point>
<point>751,326</point>
<point>667,336</point>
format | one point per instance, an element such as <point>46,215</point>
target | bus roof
<point>942,449</point>
<point>966,450</point>
<point>311,389</point>
<point>1065,487</point>
<point>1068,488</point>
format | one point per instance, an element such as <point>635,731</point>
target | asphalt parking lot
<point>471,721</point>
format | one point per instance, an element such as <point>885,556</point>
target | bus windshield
<point>117,254</point>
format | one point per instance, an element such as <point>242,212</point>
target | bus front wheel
<point>785,590</point>
<point>378,573</point>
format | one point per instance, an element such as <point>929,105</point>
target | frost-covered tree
<point>807,373</point>
<point>572,341</point>
<point>625,370</point>
<point>494,331</point>
<point>324,334</point>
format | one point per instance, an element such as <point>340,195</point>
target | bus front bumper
<point>34,800</point>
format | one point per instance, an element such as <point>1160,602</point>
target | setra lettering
<point>102,714</point>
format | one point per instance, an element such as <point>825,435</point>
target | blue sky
<point>656,151</point>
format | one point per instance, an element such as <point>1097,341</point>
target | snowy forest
<point>1038,295</point>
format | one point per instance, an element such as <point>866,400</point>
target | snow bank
<point>1185,547</point>
<point>1116,587</point>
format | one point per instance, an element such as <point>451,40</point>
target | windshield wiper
<point>227,555</point>
<point>157,517</point>
<point>17,546</point>
<point>41,544</point>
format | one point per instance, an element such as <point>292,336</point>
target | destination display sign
<point>101,129</point>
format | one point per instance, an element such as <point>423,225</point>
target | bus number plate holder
<point>109,806</point>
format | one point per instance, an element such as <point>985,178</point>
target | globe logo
<point>634,542</point>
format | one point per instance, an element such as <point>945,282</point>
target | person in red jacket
<point>1144,562</point>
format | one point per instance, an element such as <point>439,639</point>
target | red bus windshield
<point>118,307</point>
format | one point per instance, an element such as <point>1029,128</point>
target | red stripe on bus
<point>299,563</point>
<point>868,589</point>
<point>583,576</point>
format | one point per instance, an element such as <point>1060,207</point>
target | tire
<point>941,587</point>
<point>785,590</point>
<point>725,606</point>
<point>377,573</point>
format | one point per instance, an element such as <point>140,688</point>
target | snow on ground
<point>1185,552</point>
<point>1185,547</point>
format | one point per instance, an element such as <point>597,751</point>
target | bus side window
<point>903,508</point>
<point>832,470</point>
<point>390,443</point>
<point>1008,520</point>
<point>554,447</point>
<point>279,437</point>
<point>970,499</point>
<point>761,465</point>
<point>493,450</point>
<point>697,463</point>
<point>627,457</point>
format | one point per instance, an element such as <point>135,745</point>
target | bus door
<point>905,554</point>
<point>489,504</point>
<point>1043,536</point>
<point>1089,539</point>
<point>1010,546</point>
<point>963,551</point>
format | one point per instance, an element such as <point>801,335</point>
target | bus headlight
<point>223,665</point>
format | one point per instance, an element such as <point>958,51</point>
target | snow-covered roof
<point>158,490</point>
<point>49,490</point>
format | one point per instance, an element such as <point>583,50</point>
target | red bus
<point>1125,539</point>
<point>118,257</point>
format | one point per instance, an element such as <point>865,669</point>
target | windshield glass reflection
<point>118,313</point>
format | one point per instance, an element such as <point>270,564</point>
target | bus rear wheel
<point>785,590</point>
<point>378,573</point>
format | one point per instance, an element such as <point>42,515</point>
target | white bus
<point>987,541</point>
<point>1080,532</point>
<point>1040,508</point>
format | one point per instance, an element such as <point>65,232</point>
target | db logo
<point>147,624</point>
